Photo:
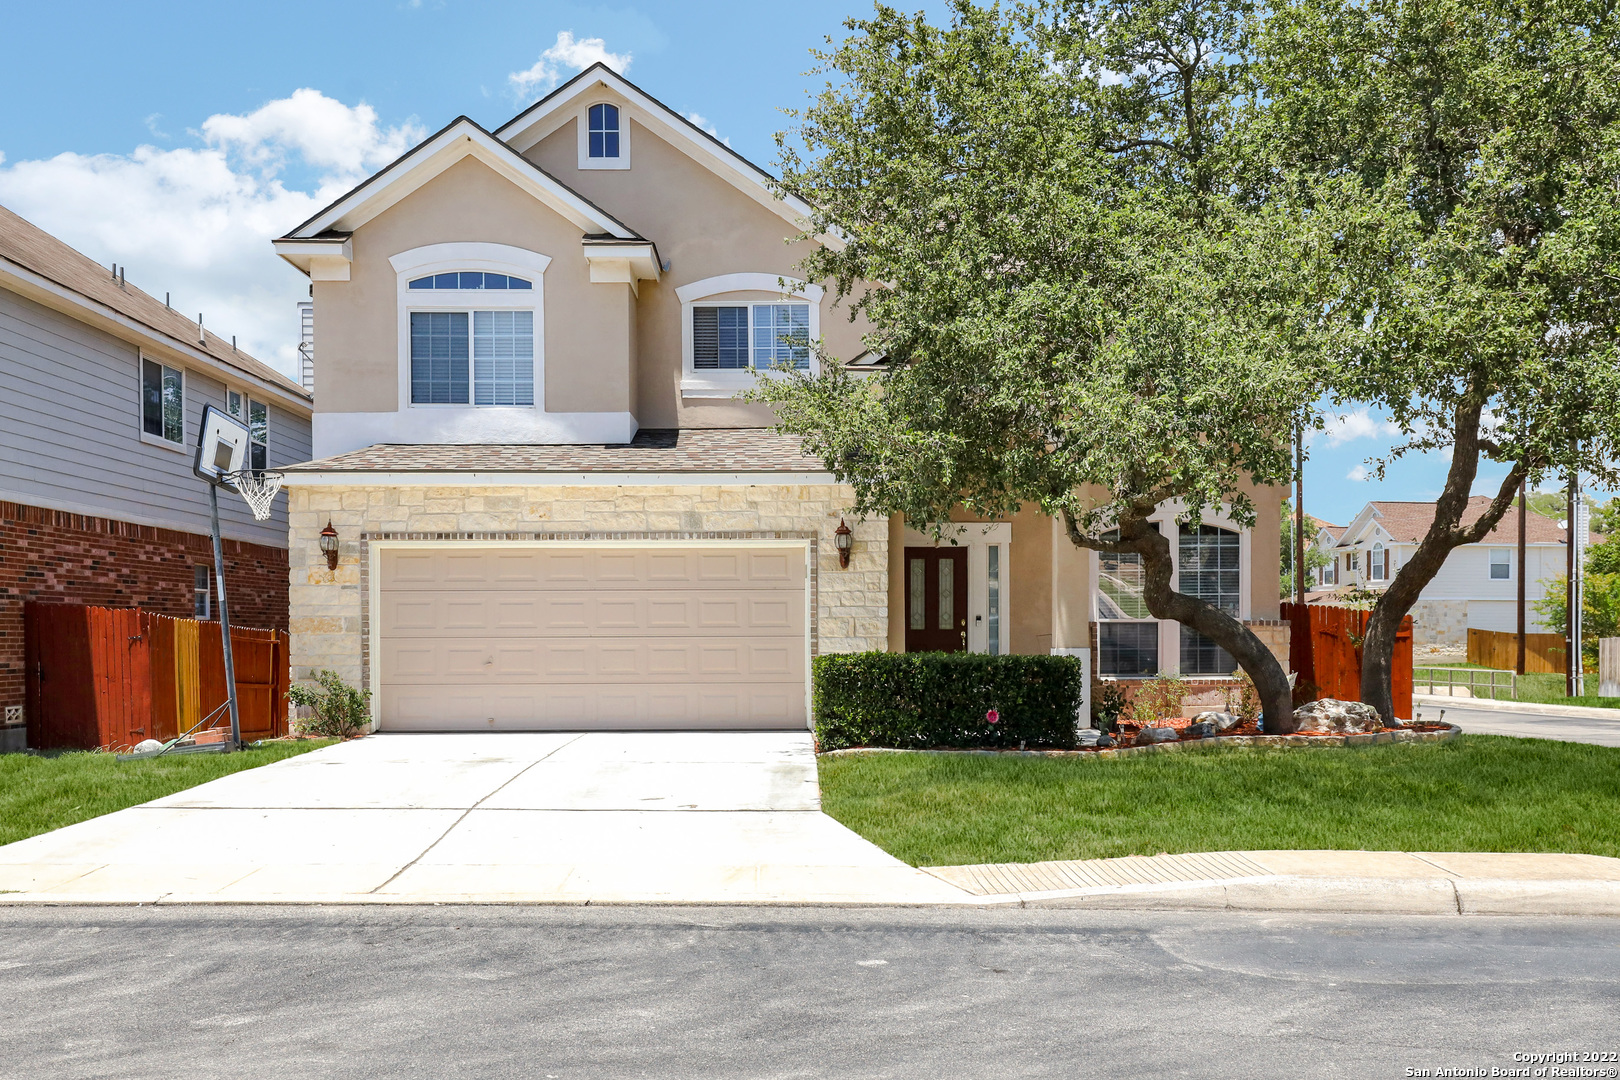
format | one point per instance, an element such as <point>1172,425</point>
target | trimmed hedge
<point>914,701</point>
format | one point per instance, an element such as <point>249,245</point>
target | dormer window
<point>603,130</point>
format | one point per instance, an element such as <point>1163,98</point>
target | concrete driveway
<point>628,817</point>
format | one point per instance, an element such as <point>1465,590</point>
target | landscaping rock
<point>1149,736</point>
<point>1221,720</point>
<point>1200,729</point>
<point>1105,742</point>
<point>147,745</point>
<point>1338,717</point>
<point>1088,737</point>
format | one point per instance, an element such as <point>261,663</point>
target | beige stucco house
<point>550,508</point>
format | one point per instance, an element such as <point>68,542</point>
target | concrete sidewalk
<point>1600,727</point>
<point>1418,883</point>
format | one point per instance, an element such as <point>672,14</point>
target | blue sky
<point>177,138</point>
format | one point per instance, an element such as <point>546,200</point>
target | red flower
<point>992,716</point>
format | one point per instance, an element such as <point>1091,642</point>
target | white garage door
<point>525,638</point>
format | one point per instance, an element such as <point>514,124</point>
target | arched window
<point>471,279</point>
<point>603,130</point>
<point>1375,563</point>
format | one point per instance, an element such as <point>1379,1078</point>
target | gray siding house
<point>104,388</point>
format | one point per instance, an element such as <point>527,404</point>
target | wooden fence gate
<point>1325,648</point>
<point>110,677</point>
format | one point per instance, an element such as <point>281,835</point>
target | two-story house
<point>104,390</point>
<point>551,508</point>
<point>1477,587</point>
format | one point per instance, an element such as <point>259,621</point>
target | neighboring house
<point>104,390</point>
<point>1478,586</point>
<point>551,508</point>
<point>1326,539</point>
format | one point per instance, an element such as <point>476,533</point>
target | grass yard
<point>1475,793</point>
<point>41,792</point>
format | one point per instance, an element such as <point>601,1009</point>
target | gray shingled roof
<point>697,450</point>
<point>32,248</point>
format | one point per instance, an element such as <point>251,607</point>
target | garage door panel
<point>583,614</point>
<point>635,569</point>
<point>541,661</point>
<point>657,637</point>
<point>524,708</point>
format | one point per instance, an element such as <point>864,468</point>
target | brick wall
<point>51,555</point>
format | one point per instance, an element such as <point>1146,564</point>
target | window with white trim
<point>1501,564</point>
<point>471,356</point>
<point>1210,569</point>
<point>256,415</point>
<point>201,593</point>
<point>760,336</point>
<point>1375,563</point>
<point>163,402</point>
<point>602,130</point>
<point>1127,633</point>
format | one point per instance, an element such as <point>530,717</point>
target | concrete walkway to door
<point>609,817</point>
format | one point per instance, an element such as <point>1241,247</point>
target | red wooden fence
<point>1324,648</point>
<point>111,677</point>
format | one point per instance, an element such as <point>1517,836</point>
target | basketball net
<point>258,489</point>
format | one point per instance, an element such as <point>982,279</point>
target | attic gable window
<point>604,131</point>
<point>471,279</point>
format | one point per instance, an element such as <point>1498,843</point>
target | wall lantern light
<point>843,540</point>
<point>329,545</point>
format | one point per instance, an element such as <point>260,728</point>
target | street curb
<point>1525,708</point>
<point>1390,896</point>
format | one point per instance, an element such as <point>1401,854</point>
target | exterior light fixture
<point>329,545</point>
<point>843,540</point>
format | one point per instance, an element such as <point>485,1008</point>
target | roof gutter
<point>300,477</point>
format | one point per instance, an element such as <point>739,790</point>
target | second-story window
<point>163,402</point>
<point>1375,563</point>
<point>256,415</point>
<point>603,130</point>
<point>1501,564</point>
<point>761,336</point>
<point>472,357</point>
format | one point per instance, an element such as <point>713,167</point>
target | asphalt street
<point>1587,729</point>
<point>447,992</point>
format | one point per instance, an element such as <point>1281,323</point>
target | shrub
<point>1109,707</point>
<point>914,701</point>
<point>1158,698</point>
<point>340,709</point>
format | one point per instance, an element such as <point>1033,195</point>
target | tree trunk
<point>1445,534</point>
<point>1252,654</point>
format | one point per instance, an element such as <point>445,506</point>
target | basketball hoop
<point>257,488</point>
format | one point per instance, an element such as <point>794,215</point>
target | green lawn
<point>41,792</point>
<point>1475,793</point>
<point>1544,689</point>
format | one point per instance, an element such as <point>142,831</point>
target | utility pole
<point>1572,647</point>
<point>1523,515</point>
<point>1299,511</point>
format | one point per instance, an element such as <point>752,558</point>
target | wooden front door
<point>936,599</point>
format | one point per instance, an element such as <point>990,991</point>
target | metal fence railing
<point>1466,682</point>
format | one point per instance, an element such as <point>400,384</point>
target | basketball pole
<point>224,619</point>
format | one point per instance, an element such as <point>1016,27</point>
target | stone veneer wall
<point>329,608</point>
<point>1442,622</point>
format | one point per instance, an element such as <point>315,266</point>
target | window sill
<point>727,384</point>
<point>158,440</point>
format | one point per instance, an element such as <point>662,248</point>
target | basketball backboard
<point>222,446</point>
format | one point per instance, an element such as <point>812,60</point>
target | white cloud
<point>567,53</point>
<point>1340,428</point>
<point>697,118</point>
<point>196,222</point>
<point>1359,474</point>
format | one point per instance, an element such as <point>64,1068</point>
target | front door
<point>936,599</point>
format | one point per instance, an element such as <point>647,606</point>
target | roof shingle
<point>695,450</point>
<point>34,249</point>
<point>1408,522</point>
